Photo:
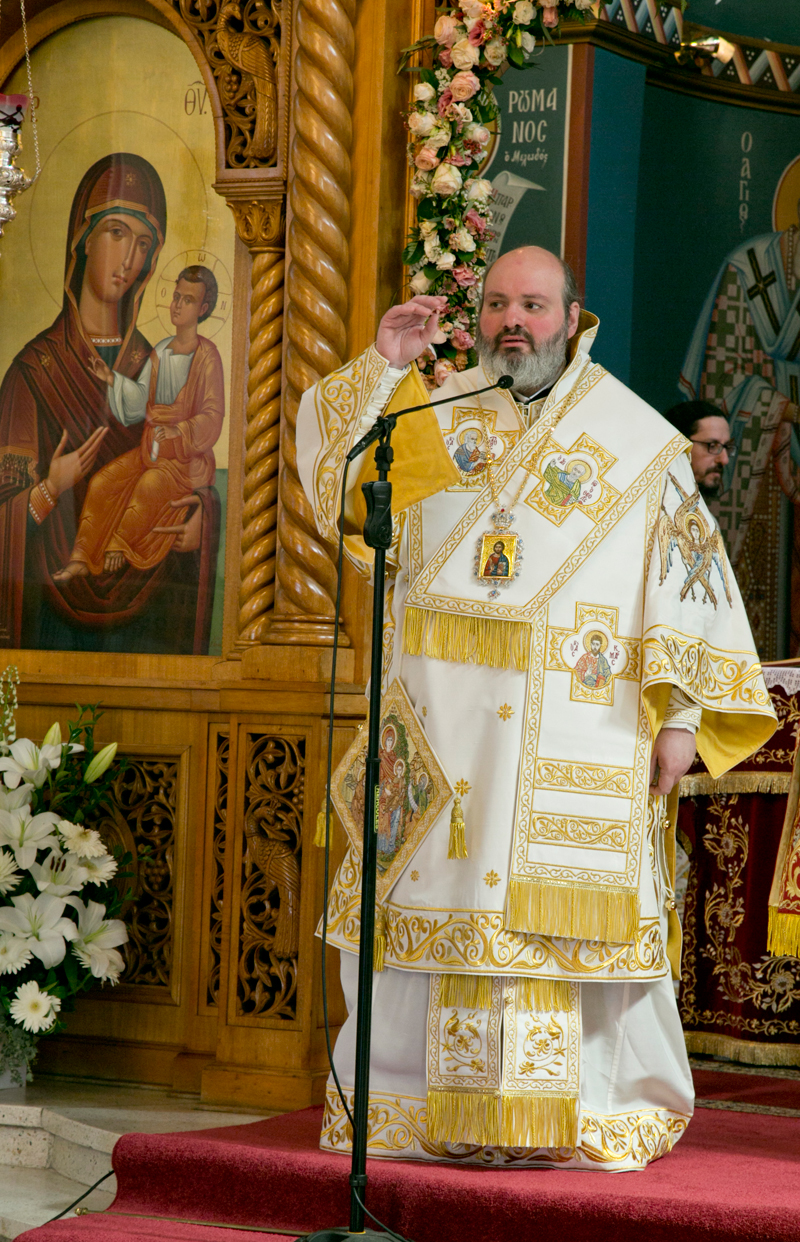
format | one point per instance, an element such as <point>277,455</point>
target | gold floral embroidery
<point>462,788</point>
<point>710,676</point>
<point>414,876</point>
<point>562,775</point>
<point>590,834</point>
<point>491,878</point>
<point>505,712</point>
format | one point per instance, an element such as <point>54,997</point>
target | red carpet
<point>734,1175</point>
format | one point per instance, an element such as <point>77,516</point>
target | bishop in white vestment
<point>525,1013</point>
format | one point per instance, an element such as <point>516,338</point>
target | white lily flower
<point>99,870</point>
<point>9,876</point>
<point>26,833</point>
<point>95,944</point>
<point>81,840</point>
<point>13,799</point>
<point>28,762</point>
<point>53,735</point>
<point>14,953</point>
<point>34,1009</point>
<point>59,874</point>
<point>39,921</point>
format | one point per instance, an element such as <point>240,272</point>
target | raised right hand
<point>406,330</point>
<point>100,369</point>
<point>66,470</point>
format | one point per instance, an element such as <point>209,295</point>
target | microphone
<point>386,421</point>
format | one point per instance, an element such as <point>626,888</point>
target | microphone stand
<point>377,535</point>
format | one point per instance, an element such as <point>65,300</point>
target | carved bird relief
<point>251,54</point>
<point>700,548</point>
<point>274,858</point>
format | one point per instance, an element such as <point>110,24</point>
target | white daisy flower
<point>34,1009</point>
<point>39,920</point>
<point>9,876</point>
<point>14,953</point>
<point>99,870</point>
<point>81,840</point>
<point>97,937</point>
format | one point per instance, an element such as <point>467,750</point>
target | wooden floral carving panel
<point>219,826</point>
<point>269,910</point>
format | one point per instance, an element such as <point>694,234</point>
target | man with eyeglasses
<point>712,448</point>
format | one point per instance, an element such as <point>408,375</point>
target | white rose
<point>528,41</point>
<point>439,135</point>
<point>460,114</point>
<point>473,9</point>
<point>479,190</point>
<point>421,123</point>
<point>465,55</point>
<point>462,239</point>
<point>424,92</point>
<point>523,12</point>
<point>477,133</point>
<point>420,283</point>
<point>495,52</point>
<point>583,4</point>
<point>446,260</point>
<point>433,247</point>
<point>427,228</point>
<point>446,180</point>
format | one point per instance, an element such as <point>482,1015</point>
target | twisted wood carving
<point>260,226</point>
<point>241,42</point>
<point>317,298</point>
<point>269,921</point>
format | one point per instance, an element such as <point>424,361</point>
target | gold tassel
<point>744,1051</point>
<point>319,835</point>
<point>466,992</point>
<point>783,934</point>
<point>464,1117</point>
<point>585,912</point>
<point>544,995</point>
<point>458,846</point>
<point>379,943</point>
<point>702,783</point>
<point>539,1121</point>
<point>466,640</point>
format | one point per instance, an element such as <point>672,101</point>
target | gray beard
<point>530,372</point>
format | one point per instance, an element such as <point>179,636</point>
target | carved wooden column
<point>317,299</point>
<point>261,224</point>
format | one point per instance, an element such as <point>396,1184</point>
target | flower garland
<point>53,943</point>
<point>454,104</point>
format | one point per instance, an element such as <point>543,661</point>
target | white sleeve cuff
<point>381,396</point>
<point>682,712</point>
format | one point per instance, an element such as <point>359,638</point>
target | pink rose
<point>446,57</point>
<point>550,16</point>
<point>462,339</point>
<point>462,361</point>
<point>476,34</point>
<point>446,31</point>
<point>426,158</point>
<point>445,100</point>
<point>464,276</point>
<point>458,159</point>
<point>441,369</point>
<point>475,222</point>
<point>464,85</point>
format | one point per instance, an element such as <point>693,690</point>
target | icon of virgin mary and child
<point>109,515</point>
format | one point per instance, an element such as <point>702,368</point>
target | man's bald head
<point>529,311</point>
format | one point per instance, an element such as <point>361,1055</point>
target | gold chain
<point>490,467</point>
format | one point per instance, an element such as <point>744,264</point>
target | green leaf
<point>413,253</point>
<point>428,209</point>
<point>516,56</point>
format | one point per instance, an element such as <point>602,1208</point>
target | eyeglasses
<point>715,447</point>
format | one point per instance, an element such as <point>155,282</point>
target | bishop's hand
<point>406,330</point>
<point>673,755</point>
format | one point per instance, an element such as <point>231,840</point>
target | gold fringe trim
<point>544,995</point>
<point>458,845</point>
<point>379,941</point>
<point>464,1117</point>
<point>783,934</point>
<point>735,782</point>
<point>466,992</point>
<point>743,1051</point>
<point>539,1121</point>
<point>585,912</point>
<point>466,640</point>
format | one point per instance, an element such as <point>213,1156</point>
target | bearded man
<point>525,1015</point>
